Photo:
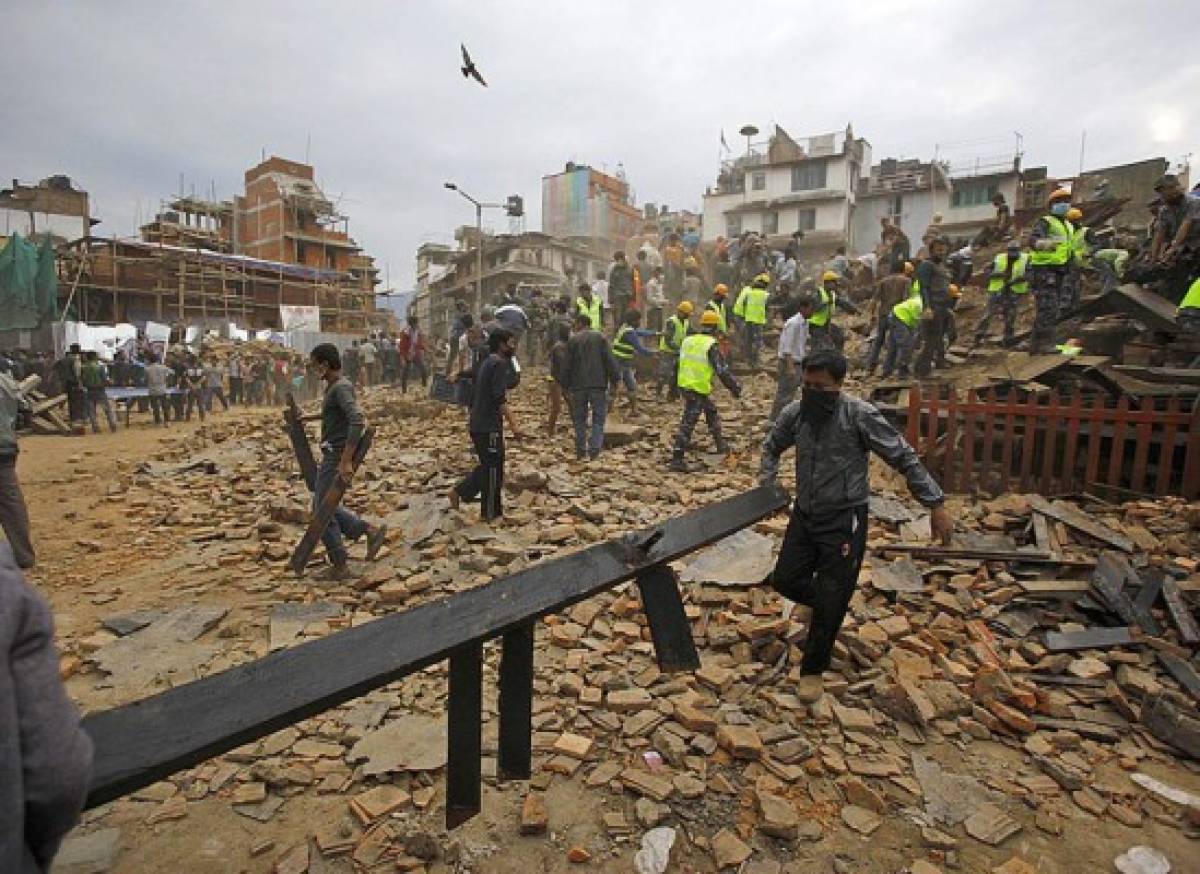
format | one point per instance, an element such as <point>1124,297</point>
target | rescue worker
<point>627,344</point>
<point>675,331</point>
<point>1188,314</point>
<point>589,305</point>
<point>890,291</point>
<point>1070,348</point>
<point>933,282</point>
<point>822,333</point>
<point>719,306</point>
<point>699,361</point>
<point>1073,284</point>
<point>1006,282</point>
<point>822,551</point>
<point>1051,244</point>
<point>904,322</point>
<point>751,308</point>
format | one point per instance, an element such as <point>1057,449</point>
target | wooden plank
<point>1178,610</point>
<point>1006,452</point>
<point>913,425</point>
<point>1185,675</point>
<point>1190,487</point>
<point>143,742</point>
<point>1116,456</point>
<point>1093,439</point>
<point>950,466</point>
<point>1166,450</point>
<point>329,505</point>
<point>1028,441</point>
<point>48,404</point>
<point>669,626</point>
<point>1143,602</point>
<point>1080,521</point>
<point>1112,573</point>
<point>515,759</point>
<point>1073,414</point>
<point>1078,587</point>
<point>464,732</point>
<point>931,433</point>
<point>294,426</point>
<point>968,450</point>
<point>929,550</point>
<point>1091,638</point>
<point>1049,438</point>
<point>987,427</point>
<point>1141,453</point>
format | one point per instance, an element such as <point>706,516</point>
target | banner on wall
<point>300,318</point>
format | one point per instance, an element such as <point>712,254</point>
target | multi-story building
<point>529,260</point>
<point>53,208</point>
<point>584,205</point>
<point>809,185</point>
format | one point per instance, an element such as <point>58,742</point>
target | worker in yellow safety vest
<point>904,324</point>
<point>1188,314</point>
<point>822,333</point>
<point>1073,285</point>
<point>674,332</point>
<point>1007,281</point>
<point>1052,248</point>
<point>626,344</point>
<point>751,308</point>
<point>719,306</point>
<point>700,360</point>
<point>589,305</point>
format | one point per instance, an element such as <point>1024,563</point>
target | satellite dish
<point>749,131</point>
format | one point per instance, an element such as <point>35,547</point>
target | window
<point>733,225</point>
<point>808,177</point>
<point>973,194</point>
<point>759,181</point>
<point>770,224</point>
<point>896,209</point>
<point>806,220</point>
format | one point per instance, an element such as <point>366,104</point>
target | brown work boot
<point>336,573</point>
<point>376,537</point>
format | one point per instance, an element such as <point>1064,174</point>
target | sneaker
<point>375,540</point>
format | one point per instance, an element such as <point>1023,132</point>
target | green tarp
<point>28,284</point>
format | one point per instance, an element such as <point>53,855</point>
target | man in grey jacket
<point>45,757</point>
<point>588,371</point>
<point>823,547</point>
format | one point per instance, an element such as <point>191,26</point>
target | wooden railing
<point>143,742</point>
<point>1054,445</point>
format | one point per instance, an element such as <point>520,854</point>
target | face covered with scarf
<point>819,396</point>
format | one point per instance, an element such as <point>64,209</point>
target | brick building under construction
<point>282,243</point>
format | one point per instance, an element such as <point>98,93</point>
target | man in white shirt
<point>367,353</point>
<point>793,345</point>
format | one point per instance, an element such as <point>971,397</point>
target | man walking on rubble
<point>700,360</point>
<point>891,290</point>
<point>342,426</point>
<point>589,369</point>
<point>934,278</point>
<point>1006,282</point>
<point>822,551</point>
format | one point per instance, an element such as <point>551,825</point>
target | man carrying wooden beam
<point>14,516</point>
<point>342,427</point>
<point>826,537</point>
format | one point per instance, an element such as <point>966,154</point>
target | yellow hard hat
<point>830,275</point>
<point>1060,194</point>
<point>710,319</point>
<point>955,291</point>
<point>908,268</point>
<point>763,277</point>
<point>721,290</point>
<point>1074,214</point>
<point>685,307</point>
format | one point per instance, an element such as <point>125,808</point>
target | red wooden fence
<point>1054,445</point>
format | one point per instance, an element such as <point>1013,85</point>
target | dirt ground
<point>97,558</point>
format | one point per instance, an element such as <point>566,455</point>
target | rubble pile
<point>979,713</point>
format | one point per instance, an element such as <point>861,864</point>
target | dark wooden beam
<point>143,742</point>
<point>669,626</point>
<point>1089,638</point>
<point>1113,571</point>
<point>293,423</point>
<point>464,717</point>
<point>1180,615</point>
<point>329,505</point>
<point>515,761</point>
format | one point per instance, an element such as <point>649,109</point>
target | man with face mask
<point>823,547</point>
<point>1051,244</point>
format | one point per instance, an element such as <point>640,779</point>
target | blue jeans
<point>581,400</point>
<point>344,523</point>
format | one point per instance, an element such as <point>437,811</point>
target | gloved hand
<point>1045,245</point>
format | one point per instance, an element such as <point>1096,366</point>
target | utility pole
<point>514,207</point>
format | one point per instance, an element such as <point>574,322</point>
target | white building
<point>809,185</point>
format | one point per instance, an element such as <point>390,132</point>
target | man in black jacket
<point>590,369</point>
<point>833,434</point>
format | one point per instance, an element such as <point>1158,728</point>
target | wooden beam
<point>464,735</point>
<point>293,423</point>
<point>1180,615</point>
<point>1112,572</point>
<point>143,742</point>
<point>669,626</point>
<point>515,761</point>
<point>1090,638</point>
<point>329,505</point>
<point>1080,521</point>
<point>1183,672</point>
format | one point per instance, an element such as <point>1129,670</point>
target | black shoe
<point>593,454</point>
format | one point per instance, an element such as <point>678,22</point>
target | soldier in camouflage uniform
<point>538,340</point>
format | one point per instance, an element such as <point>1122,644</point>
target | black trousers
<point>486,481</point>
<point>235,390</point>
<point>818,567</point>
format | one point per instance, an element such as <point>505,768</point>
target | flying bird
<point>469,70</point>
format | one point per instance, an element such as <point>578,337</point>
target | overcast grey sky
<point>125,96</point>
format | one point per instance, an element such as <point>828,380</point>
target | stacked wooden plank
<point>47,414</point>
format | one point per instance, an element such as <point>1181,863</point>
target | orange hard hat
<point>721,290</point>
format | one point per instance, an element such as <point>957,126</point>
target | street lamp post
<point>478,236</point>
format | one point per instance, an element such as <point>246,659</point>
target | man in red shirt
<point>412,354</point>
